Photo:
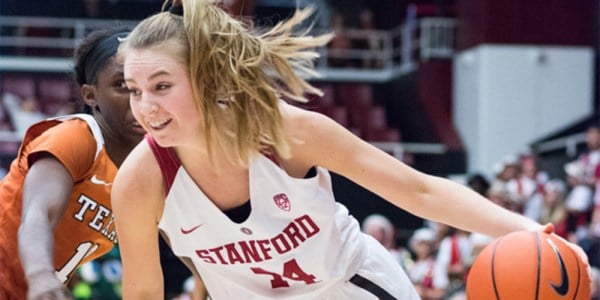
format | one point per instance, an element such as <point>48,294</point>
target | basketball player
<point>238,180</point>
<point>55,210</point>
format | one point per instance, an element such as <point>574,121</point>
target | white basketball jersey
<point>296,242</point>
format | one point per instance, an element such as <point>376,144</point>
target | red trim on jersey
<point>167,160</point>
<point>169,163</point>
<point>269,153</point>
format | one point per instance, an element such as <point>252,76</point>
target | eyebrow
<point>157,74</point>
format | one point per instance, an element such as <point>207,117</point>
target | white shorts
<point>380,277</point>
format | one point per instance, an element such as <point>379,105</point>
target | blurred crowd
<point>437,257</point>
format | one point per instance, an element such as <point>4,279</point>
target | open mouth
<point>159,124</point>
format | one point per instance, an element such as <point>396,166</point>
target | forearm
<point>36,243</point>
<point>36,250</point>
<point>456,205</point>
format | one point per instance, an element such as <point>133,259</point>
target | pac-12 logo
<point>282,201</point>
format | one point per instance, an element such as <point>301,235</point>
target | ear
<point>88,92</point>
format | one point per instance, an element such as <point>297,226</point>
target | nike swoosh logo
<point>562,288</point>
<point>189,230</point>
<point>95,180</point>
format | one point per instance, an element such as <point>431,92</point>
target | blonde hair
<point>238,74</point>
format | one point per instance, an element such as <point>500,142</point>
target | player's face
<point>112,100</point>
<point>593,138</point>
<point>161,97</point>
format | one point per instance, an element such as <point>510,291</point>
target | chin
<point>164,142</point>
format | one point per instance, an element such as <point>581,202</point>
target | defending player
<point>55,210</point>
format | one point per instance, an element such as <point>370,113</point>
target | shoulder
<point>71,142</point>
<point>306,125</point>
<point>305,130</point>
<point>313,131</point>
<point>59,128</point>
<point>138,183</point>
<point>139,168</point>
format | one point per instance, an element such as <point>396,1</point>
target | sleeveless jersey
<point>86,230</point>
<point>297,242</point>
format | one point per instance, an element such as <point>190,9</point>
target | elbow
<point>423,199</point>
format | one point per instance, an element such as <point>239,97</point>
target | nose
<point>148,107</point>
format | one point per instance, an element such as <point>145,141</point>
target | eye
<point>162,86</point>
<point>120,84</point>
<point>134,92</point>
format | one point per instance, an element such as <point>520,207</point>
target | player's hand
<point>549,229</point>
<point>45,286</point>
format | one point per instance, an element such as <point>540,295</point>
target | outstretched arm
<point>46,192</point>
<point>137,198</point>
<point>326,143</point>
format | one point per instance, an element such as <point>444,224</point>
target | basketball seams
<point>493,269</point>
<point>578,277</point>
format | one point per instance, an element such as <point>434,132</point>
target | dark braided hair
<point>94,52</point>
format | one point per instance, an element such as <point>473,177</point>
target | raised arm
<point>46,192</point>
<point>137,198</point>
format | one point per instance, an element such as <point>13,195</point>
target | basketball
<point>528,265</point>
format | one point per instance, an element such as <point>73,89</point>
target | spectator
<point>340,44</point>
<point>422,272</point>
<point>500,196</point>
<point>591,163</point>
<point>527,188</point>
<point>507,169</point>
<point>553,209</point>
<point>23,112</point>
<point>590,159</point>
<point>453,260</point>
<point>371,42</point>
<point>579,200</point>
<point>479,184</point>
<point>381,229</point>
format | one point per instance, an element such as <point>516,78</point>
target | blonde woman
<point>238,181</point>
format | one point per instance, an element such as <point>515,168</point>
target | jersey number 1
<point>291,270</point>
<point>84,249</point>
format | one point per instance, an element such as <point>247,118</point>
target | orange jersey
<point>86,230</point>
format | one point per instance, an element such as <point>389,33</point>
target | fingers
<point>548,228</point>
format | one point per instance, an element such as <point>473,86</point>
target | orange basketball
<point>528,265</point>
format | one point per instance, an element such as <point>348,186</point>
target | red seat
<point>375,118</point>
<point>55,93</point>
<point>354,94</point>
<point>22,86</point>
<point>328,98</point>
<point>382,135</point>
<point>337,113</point>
